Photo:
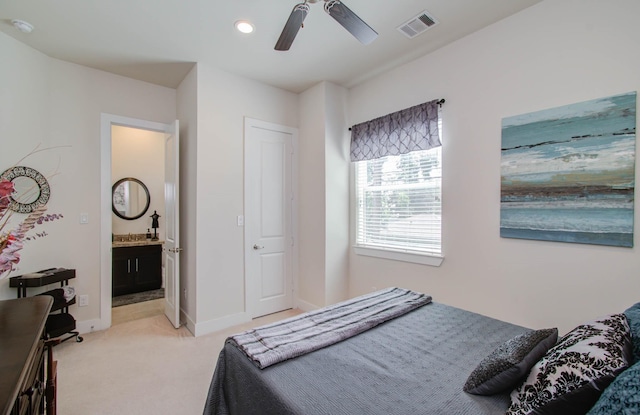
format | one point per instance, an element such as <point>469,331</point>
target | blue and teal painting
<point>568,173</point>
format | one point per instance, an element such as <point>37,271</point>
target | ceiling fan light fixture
<point>244,26</point>
<point>21,25</point>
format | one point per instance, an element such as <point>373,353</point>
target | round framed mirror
<point>130,198</point>
<point>31,189</point>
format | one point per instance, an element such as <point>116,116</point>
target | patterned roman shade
<point>401,132</point>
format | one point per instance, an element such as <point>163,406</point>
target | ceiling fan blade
<point>350,21</point>
<point>294,23</point>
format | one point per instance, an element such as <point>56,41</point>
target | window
<point>398,203</point>
<point>398,173</point>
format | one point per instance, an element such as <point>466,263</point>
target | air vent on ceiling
<point>417,25</point>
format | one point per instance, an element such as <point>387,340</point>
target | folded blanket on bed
<point>293,337</point>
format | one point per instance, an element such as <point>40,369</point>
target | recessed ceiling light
<point>244,26</point>
<point>21,25</point>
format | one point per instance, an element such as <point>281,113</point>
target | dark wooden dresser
<point>22,357</point>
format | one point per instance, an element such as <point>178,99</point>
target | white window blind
<point>399,202</point>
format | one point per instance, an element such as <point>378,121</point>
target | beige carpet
<point>141,367</point>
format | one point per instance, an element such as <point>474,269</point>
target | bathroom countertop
<point>123,244</point>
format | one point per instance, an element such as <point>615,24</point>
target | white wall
<point>555,53</point>
<point>139,154</point>
<point>55,103</point>
<point>323,197</point>
<point>224,100</point>
<point>44,100</point>
<point>337,194</point>
<point>187,106</point>
<point>24,119</point>
<point>312,199</point>
<point>323,187</point>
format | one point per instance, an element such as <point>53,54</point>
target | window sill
<point>404,256</point>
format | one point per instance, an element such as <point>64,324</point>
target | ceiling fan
<point>336,9</point>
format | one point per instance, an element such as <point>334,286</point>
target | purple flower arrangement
<point>12,240</point>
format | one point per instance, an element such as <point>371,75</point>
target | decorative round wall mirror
<point>130,198</point>
<point>31,189</point>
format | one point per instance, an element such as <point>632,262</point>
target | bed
<point>415,363</point>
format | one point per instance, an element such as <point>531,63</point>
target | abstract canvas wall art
<point>568,173</point>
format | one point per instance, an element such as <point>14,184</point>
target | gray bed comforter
<point>414,364</point>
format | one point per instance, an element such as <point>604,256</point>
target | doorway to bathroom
<point>128,254</point>
<point>138,206</point>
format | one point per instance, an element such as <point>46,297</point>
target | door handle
<point>175,250</point>
<point>256,247</point>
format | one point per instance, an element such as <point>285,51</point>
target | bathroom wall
<point>139,154</point>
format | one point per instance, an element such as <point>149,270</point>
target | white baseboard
<point>186,320</point>
<point>218,324</point>
<point>197,329</point>
<point>305,306</point>
<point>87,326</point>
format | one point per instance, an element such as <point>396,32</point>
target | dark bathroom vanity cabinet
<point>136,268</point>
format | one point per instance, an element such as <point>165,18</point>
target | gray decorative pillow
<point>510,362</point>
<point>571,376</point>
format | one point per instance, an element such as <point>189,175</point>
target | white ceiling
<point>159,40</point>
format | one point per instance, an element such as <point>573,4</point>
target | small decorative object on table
<point>155,225</point>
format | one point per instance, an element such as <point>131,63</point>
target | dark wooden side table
<point>22,348</point>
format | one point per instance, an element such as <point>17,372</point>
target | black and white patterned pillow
<point>571,376</point>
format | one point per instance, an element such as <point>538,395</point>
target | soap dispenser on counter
<point>148,234</point>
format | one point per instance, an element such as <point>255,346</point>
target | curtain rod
<point>440,102</point>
